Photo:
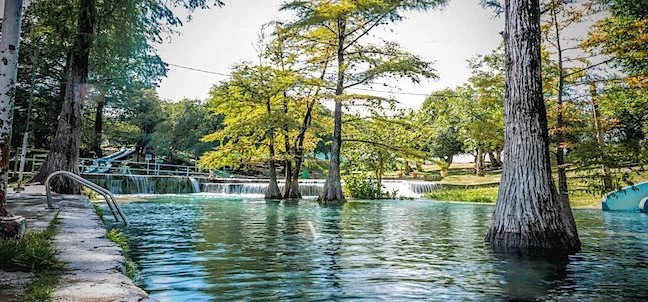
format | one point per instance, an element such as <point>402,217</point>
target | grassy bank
<point>34,253</point>
<point>489,195</point>
<point>486,195</point>
<point>119,238</point>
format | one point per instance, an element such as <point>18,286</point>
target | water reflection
<point>529,275</point>
<point>204,249</point>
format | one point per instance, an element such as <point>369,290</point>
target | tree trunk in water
<point>98,127</point>
<point>529,212</point>
<point>64,152</point>
<point>288,161</point>
<point>9,45</point>
<point>563,190</point>
<point>479,162</point>
<point>379,174</point>
<point>332,191</point>
<point>287,178</point>
<point>273,189</point>
<point>600,139</point>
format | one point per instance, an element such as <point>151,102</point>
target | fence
<point>36,158</point>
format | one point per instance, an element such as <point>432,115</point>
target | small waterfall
<point>422,187</point>
<point>409,189</point>
<point>142,183</point>
<point>195,185</point>
<point>308,188</point>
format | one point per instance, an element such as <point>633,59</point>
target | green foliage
<point>481,194</point>
<point>89,193</point>
<point>118,237</point>
<point>171,138</point>
<point>100,212</point>
<point>251,104</point>
<point>360,186</point>
<point>378,142</point>
<point>432,177</point>
<point>41,287</point>
<point>33,253</point>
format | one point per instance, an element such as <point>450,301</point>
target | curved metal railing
<point>110,198</point>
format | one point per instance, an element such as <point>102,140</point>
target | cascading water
<point>308,188</point>
<point>143,184</point>
<point>195,185</point>
<point>409,189</point>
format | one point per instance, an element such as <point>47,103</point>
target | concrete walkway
<point>95,264</point>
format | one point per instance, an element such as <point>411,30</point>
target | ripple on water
<point>204,248</point>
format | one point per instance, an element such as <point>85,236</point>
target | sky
<point>216,39</point>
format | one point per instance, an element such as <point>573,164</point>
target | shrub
<point>361,187</point>
<point>432,177</point>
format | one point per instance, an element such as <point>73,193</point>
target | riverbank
<point>488,194</point>
<point>94,266</point>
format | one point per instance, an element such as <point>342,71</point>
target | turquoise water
<point>197,248</point>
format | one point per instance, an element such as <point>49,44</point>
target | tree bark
<point>479,162</point>
<point>98,127</point>
<point>64,151</point>
<point>273,191</point>
<point>529,212</point>
<point>563,189</point>
<point>9,45</point>
<point>287,161</point>
<point>332,191</point>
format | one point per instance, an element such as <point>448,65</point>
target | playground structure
<point>115,163</point>
<point>102,165</point>
<point>631,198</point>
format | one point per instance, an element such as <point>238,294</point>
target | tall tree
<point>9,45</point>
<point>251,104</point>
<point>342,25</point>
<point>64,151</point>
<point>529,212</point>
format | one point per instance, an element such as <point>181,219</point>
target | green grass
<point>42,286</point>
<point>34,253</point>
<point>118,237</point>
<point>484,194</point>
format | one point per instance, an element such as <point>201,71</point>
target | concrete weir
<point>95,265</point>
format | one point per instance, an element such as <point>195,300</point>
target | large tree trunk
<point>332,191</point>
<point>98,127</point>
<point>273,191</point>
<point>64,152</point>
<point>294,193</point>
<point>563,190</point>
<point>287,161</point>
<point>479,162</point>
<point>529,212</point>
<point>9,45</point>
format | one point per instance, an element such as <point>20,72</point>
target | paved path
<point>95,264</point>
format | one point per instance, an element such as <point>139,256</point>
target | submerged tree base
<point>554,240</point>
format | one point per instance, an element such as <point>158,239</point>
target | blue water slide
<point>627,199</point>
<point>102,165</point>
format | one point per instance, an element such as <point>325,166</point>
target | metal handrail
<point>105,193</point>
